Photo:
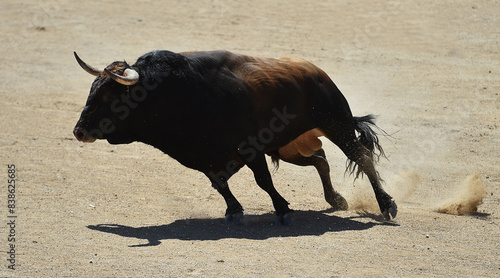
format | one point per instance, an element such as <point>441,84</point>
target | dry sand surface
<point>430,70</point>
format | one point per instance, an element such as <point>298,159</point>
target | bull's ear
<point>86,67</point>
<point>129,77</point>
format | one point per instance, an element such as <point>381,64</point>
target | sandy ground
<point>431,71</point>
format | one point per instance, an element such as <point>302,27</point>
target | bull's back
<point>273,90</point>
<point>287,89</point>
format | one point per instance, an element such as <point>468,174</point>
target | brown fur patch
<point>262,72</point>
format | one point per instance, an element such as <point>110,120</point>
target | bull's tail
<point>368,138</point>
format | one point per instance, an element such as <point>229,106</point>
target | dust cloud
<point>469,195</point>
<point>400,187</point>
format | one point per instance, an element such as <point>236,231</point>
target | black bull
<point>218,111</point>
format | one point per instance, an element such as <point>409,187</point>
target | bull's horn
<point>86,67</point>
<point>130,77</point>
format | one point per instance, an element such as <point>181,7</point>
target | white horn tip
<point>130,73</point>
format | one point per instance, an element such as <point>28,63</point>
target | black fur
<point>218,111</point>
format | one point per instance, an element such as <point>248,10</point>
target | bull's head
<point>106,113</point>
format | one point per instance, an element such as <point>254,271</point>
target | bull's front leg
<point>234,211</point>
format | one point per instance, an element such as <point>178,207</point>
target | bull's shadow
<point>257,227</point>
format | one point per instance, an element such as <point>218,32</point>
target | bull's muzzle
<point>82,135</point>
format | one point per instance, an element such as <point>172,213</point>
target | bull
<point>218,111</point>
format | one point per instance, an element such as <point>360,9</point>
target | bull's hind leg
<point>365,163</point>
<point>344,137</point>
<point>318,160</point>
<point>263,178</point>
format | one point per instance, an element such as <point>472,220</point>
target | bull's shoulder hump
<point>219,56</point>
<point>217,59</point>
<point>210,53</point>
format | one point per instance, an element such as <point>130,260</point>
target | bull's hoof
<point>337,202</point>
<point>234,219</point>
<point>390,211</point>
<point>285,219</point>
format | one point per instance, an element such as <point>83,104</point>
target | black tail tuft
<point>369,139</point>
